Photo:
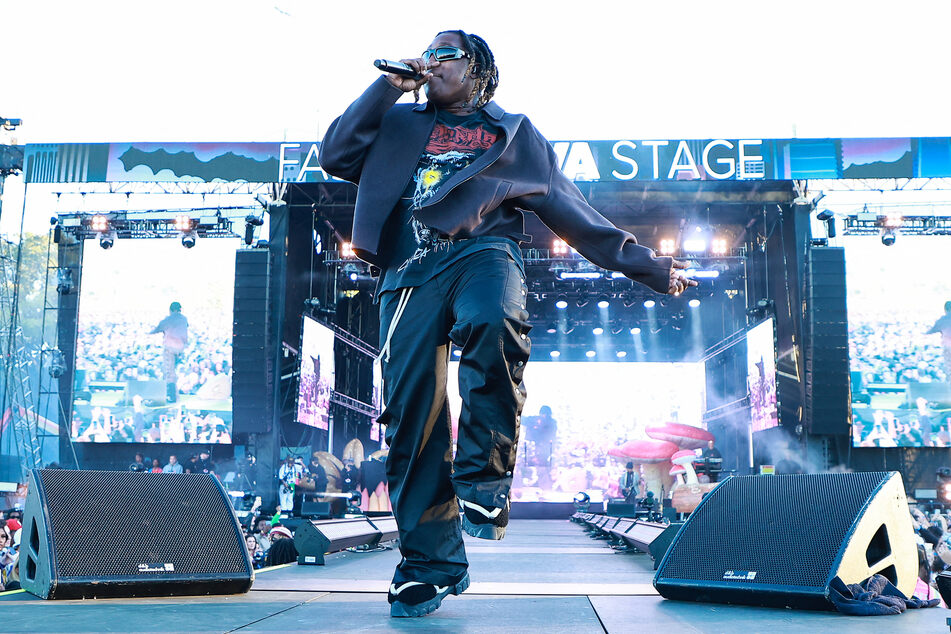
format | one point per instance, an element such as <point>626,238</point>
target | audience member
<point>172,466</point>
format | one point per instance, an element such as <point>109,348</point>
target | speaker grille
<point>108,523</point>
<point>786,529</point>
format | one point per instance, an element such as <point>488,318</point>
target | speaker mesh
<point>786,529</point>
<point>107,523</point>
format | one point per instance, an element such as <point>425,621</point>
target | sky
<point>241,70</point>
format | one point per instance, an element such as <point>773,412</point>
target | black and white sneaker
<point>414,598</point>
<point>484,522</point>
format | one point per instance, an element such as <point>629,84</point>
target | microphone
<point>397,68</point>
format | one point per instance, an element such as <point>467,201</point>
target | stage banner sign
<point>592,161</point>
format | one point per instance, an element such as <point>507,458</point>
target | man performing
<point>441,189</point>
<point>175,329</point>
<point>943,326</point>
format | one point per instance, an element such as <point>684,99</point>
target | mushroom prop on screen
<point>684,436</point>
<point>684,459</point>
<point>654,458</point>
<point>677,471</point>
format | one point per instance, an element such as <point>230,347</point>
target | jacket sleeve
<point>349,137</point>
<point>564,210</point>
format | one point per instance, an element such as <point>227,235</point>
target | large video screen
<point>153,352</point>
<point>899,340</point>
<point>316,374</point>
<point>761,375</point>
<point>576,412</point>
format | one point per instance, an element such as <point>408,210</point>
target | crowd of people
<point>896,350</point>
<point>122,350</point>
<point>11,528</point>
<point>934,549</point>
<point>173,424</point>
<point>922,426</point>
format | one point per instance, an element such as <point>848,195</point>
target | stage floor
<point>546,575</point>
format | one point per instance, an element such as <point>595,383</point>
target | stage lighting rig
<point>888,237</point>
<point>188,239</point>
<point>666,247</point>
<point>10,124</point>
<point>107,239</point>
<point>582,501</point>
<point>250,222</point>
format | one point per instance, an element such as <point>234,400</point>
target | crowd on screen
<point>118,350</point>
<point>896,351</point>
<point>918,427</point>
<point>124,424</point>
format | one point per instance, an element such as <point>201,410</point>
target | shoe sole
<point>483,531</point>
<point>399,609</point>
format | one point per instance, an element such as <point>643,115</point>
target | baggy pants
<point>478,303</point>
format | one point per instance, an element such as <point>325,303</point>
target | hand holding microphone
<point>407,74</point>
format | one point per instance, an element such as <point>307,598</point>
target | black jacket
<point>376,144</point>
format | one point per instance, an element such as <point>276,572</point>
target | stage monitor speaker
<point>315,510</point>
<point>779,541</point>
<point>313,539</point>
<point>89,534</point>
<point>658,547</point>
<point>386,524</point>
<point>621,509</point>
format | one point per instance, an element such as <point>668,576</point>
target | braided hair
<point>481,57</point>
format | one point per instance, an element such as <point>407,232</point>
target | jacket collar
<point>492,109</point>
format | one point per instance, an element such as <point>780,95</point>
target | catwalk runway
<point>546,575</point>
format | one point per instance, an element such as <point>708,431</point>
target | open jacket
<point>376,144</point>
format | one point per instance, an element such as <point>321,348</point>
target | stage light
<point>64,281</point>
<point>457,353</point>
<point>888,237</point>
<point>581,501</point>
<point>183,223</point>
<point>695,245</point>
<point>603,302</point>
<point>702,275</point>
<point>346,250</point>
<point>250,222</point>
<point>99,223</point>
<point>590,354</point>
<point>621,354</point>
<point>552,328</point>
<point>893,219</point>
<point>635,331</point>
<point>719,247</point>
<point>825,214</point>
<point>188,239</point>
<point>650,303</point>
<point>579,275</point>
<point>559,247</point>
<point>106,240</point>
<point>694,303</point>
<point>597,331</point>
<point>666,247</point>
<point>554,354</point>
<point>562,302</point>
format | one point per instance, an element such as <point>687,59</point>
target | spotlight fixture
<point>457,353</point>
<point>888,237</point>
<point>99,223</point>
<point>621,354</point>
<point>694,303</point>
<point>183,223</point>
<point>598,330</point>
<point>718,246</point>
<point>346,250</point>
<point>559,247</point>
<point>695,245</point>
<point>554,354</point>
<point>825,214</point>
<point>666,246</point>
<point>188,239</point>
<point>562,302</point>
<point>893,219</point>
<point>635,330</point>
<point>250,222</point>
<point>581,501</point>
<point>552,328</point>
<point>650,303</point>
<point>590,354</point>
<point>107,239</point>
<point>603,301</point>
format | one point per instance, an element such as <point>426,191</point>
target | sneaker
<point>484,522</point>
<point>413,598</point>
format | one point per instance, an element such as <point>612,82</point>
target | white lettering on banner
<point>561,151</point>
<point>752,158</point>
<point>313,152</point>
<point>283,161</point>
<point>654,145</point>
<point>676,166</point>
<point>580,164</point>
<point>705,159</point>
<point>615,151</point>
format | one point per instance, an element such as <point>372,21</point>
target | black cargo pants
<point>478,303</point>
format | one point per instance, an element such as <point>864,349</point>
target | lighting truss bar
<point>910,225</point>
<point>149,224</point>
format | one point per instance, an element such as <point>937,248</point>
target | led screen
<point>316,374</point>
<point>899,340</point>
<point>761,375</point>
<point>153,352</point>
<point>576,412</point>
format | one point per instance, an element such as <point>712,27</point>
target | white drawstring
<point>400,307</point>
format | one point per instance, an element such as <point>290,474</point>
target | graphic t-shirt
<point>418,252</point>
